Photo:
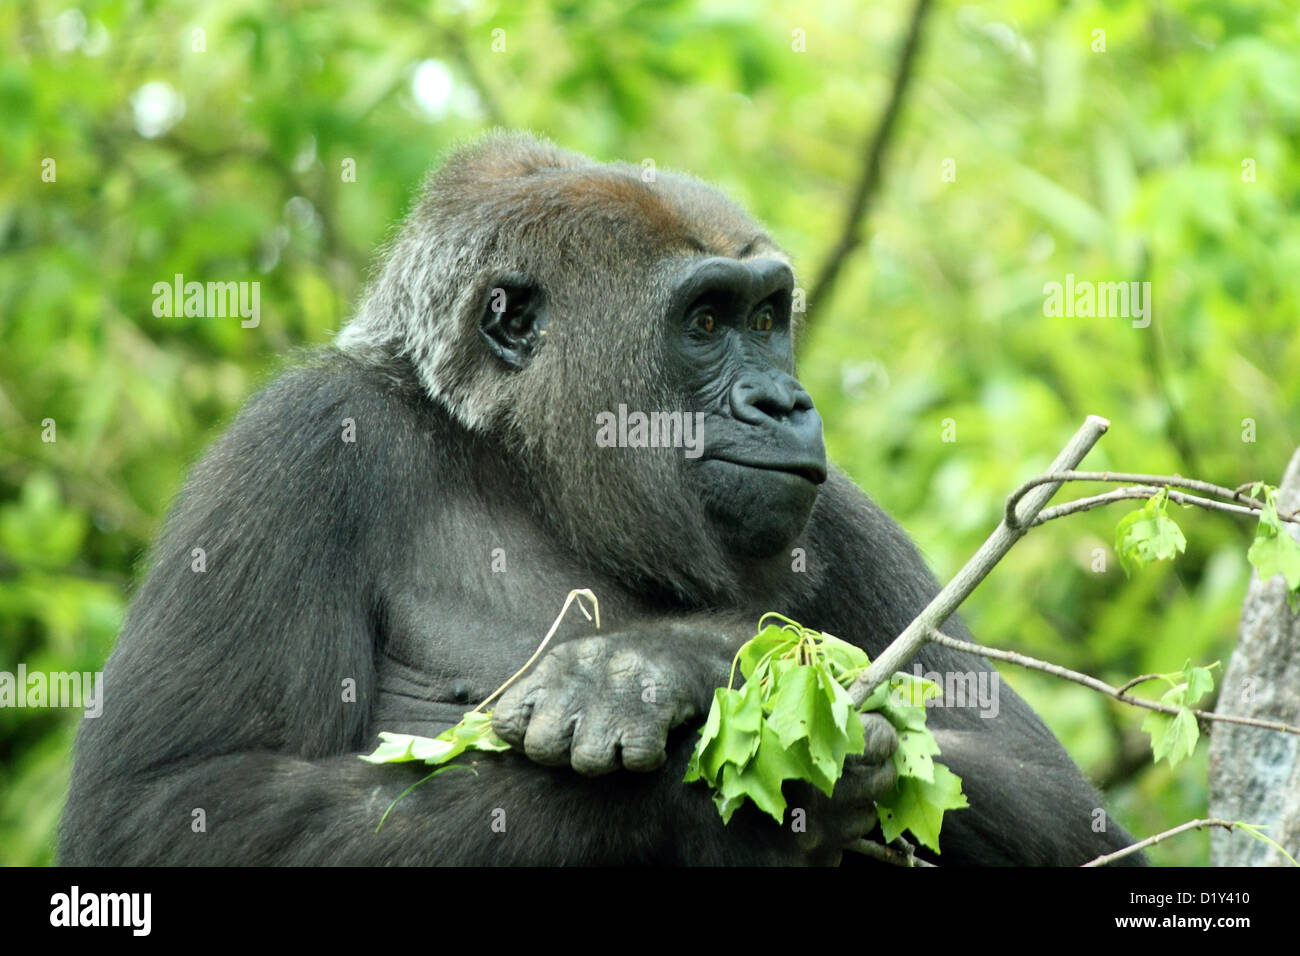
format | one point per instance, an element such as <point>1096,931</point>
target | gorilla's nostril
<point>753,401</point>
<point>773,408</point>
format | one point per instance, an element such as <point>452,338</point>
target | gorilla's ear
<point>513,319</point>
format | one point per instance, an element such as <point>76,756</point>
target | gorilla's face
<point>761,457</point>
<point>586,296</point>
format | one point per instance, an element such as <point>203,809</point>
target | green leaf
<point>708,734</point>
<point>915,753</point>
<point>849,659</point>
<point>797,704</point>
<point>796,721</point>
<point>1274,551</point>
<point>396,748</point>
<point>1171,736</point>
<point>1148,534</point>
<point>919,805</point>
<point>912,691</point>
<point>1199,683</point>
<point>760,780</point>
<point>897,707</point>
<point>772,640</point>
<point>830,744</point>
<point>473,732</point>
<point>1156,724</point>
<point>730,793</point>
<point>822,774</point>
<point>730,735</point>
<point>842,711</point>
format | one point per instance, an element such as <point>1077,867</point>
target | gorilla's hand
<point>600,703</point>
<point>832,823</point>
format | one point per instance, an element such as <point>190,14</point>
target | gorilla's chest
<point>448,637</point>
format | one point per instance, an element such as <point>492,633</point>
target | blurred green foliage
<point>212,140</point>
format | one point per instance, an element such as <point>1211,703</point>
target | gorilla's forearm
<point>265,809</point>
<point>269,808</point>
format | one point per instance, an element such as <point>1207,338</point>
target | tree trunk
<point>1255,774</point>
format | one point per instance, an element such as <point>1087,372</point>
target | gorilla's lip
<point>813,472</point>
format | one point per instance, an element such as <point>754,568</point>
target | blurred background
<point>1147,140</point>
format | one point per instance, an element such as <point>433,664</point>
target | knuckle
<point>643,761</point>
<point>587,652</point>
<point>593,762</point>
<point>510,718</point>
<point>624,664</point>
<point>881,738</point>
<point>594,753</point>
<point>509,726</point>
<point>547,738</point>
<point>645,749</point>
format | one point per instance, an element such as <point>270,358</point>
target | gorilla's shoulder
<point>328,427</point>
<point>844,512</point>
<point>320,382</point>
<point>857,536</point>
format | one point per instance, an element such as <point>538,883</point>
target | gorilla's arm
<point>265,808</point>
<point>1029,804</point>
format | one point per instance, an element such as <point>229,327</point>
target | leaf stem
<point>573,595</point>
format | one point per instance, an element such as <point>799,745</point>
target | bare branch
<point>1138,491</point>
<point>1007,533</point>
<point>1153,840</point>
<point>884,854</point>
<point>1140,679</point>
<point>1158,481</point>
<point>1023,660</point>
<point>869,180</point>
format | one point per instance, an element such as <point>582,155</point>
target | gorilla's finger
<point>645,748</point>
<point>881,778</point>
<point>550,731</point>
<point>858,825</point>
<point>854,785</point>
<point>881,738</point>
<point>865,782</point>
<point>595,747</point>
<point>830,828</point>
<point>510,718</point>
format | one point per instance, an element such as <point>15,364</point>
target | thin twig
<point>884,854</point>
<point>1158,481</point>
<point>573,595</point>
<point>1141,679</point>
<point>869,180</point>
<point>1096,501</point>
<point>1007,533</point>
<point>1023,660</point>
<point>1153,840</point>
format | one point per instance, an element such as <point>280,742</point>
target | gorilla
<point>385,533</point>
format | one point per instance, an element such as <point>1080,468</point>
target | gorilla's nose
<point>757,398</point>
<point>791,428</point>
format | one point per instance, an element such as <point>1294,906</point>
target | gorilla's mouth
<point>813,472</point>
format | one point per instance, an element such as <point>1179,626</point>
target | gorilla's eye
<point>762,319</point>
<point>703,319</point>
